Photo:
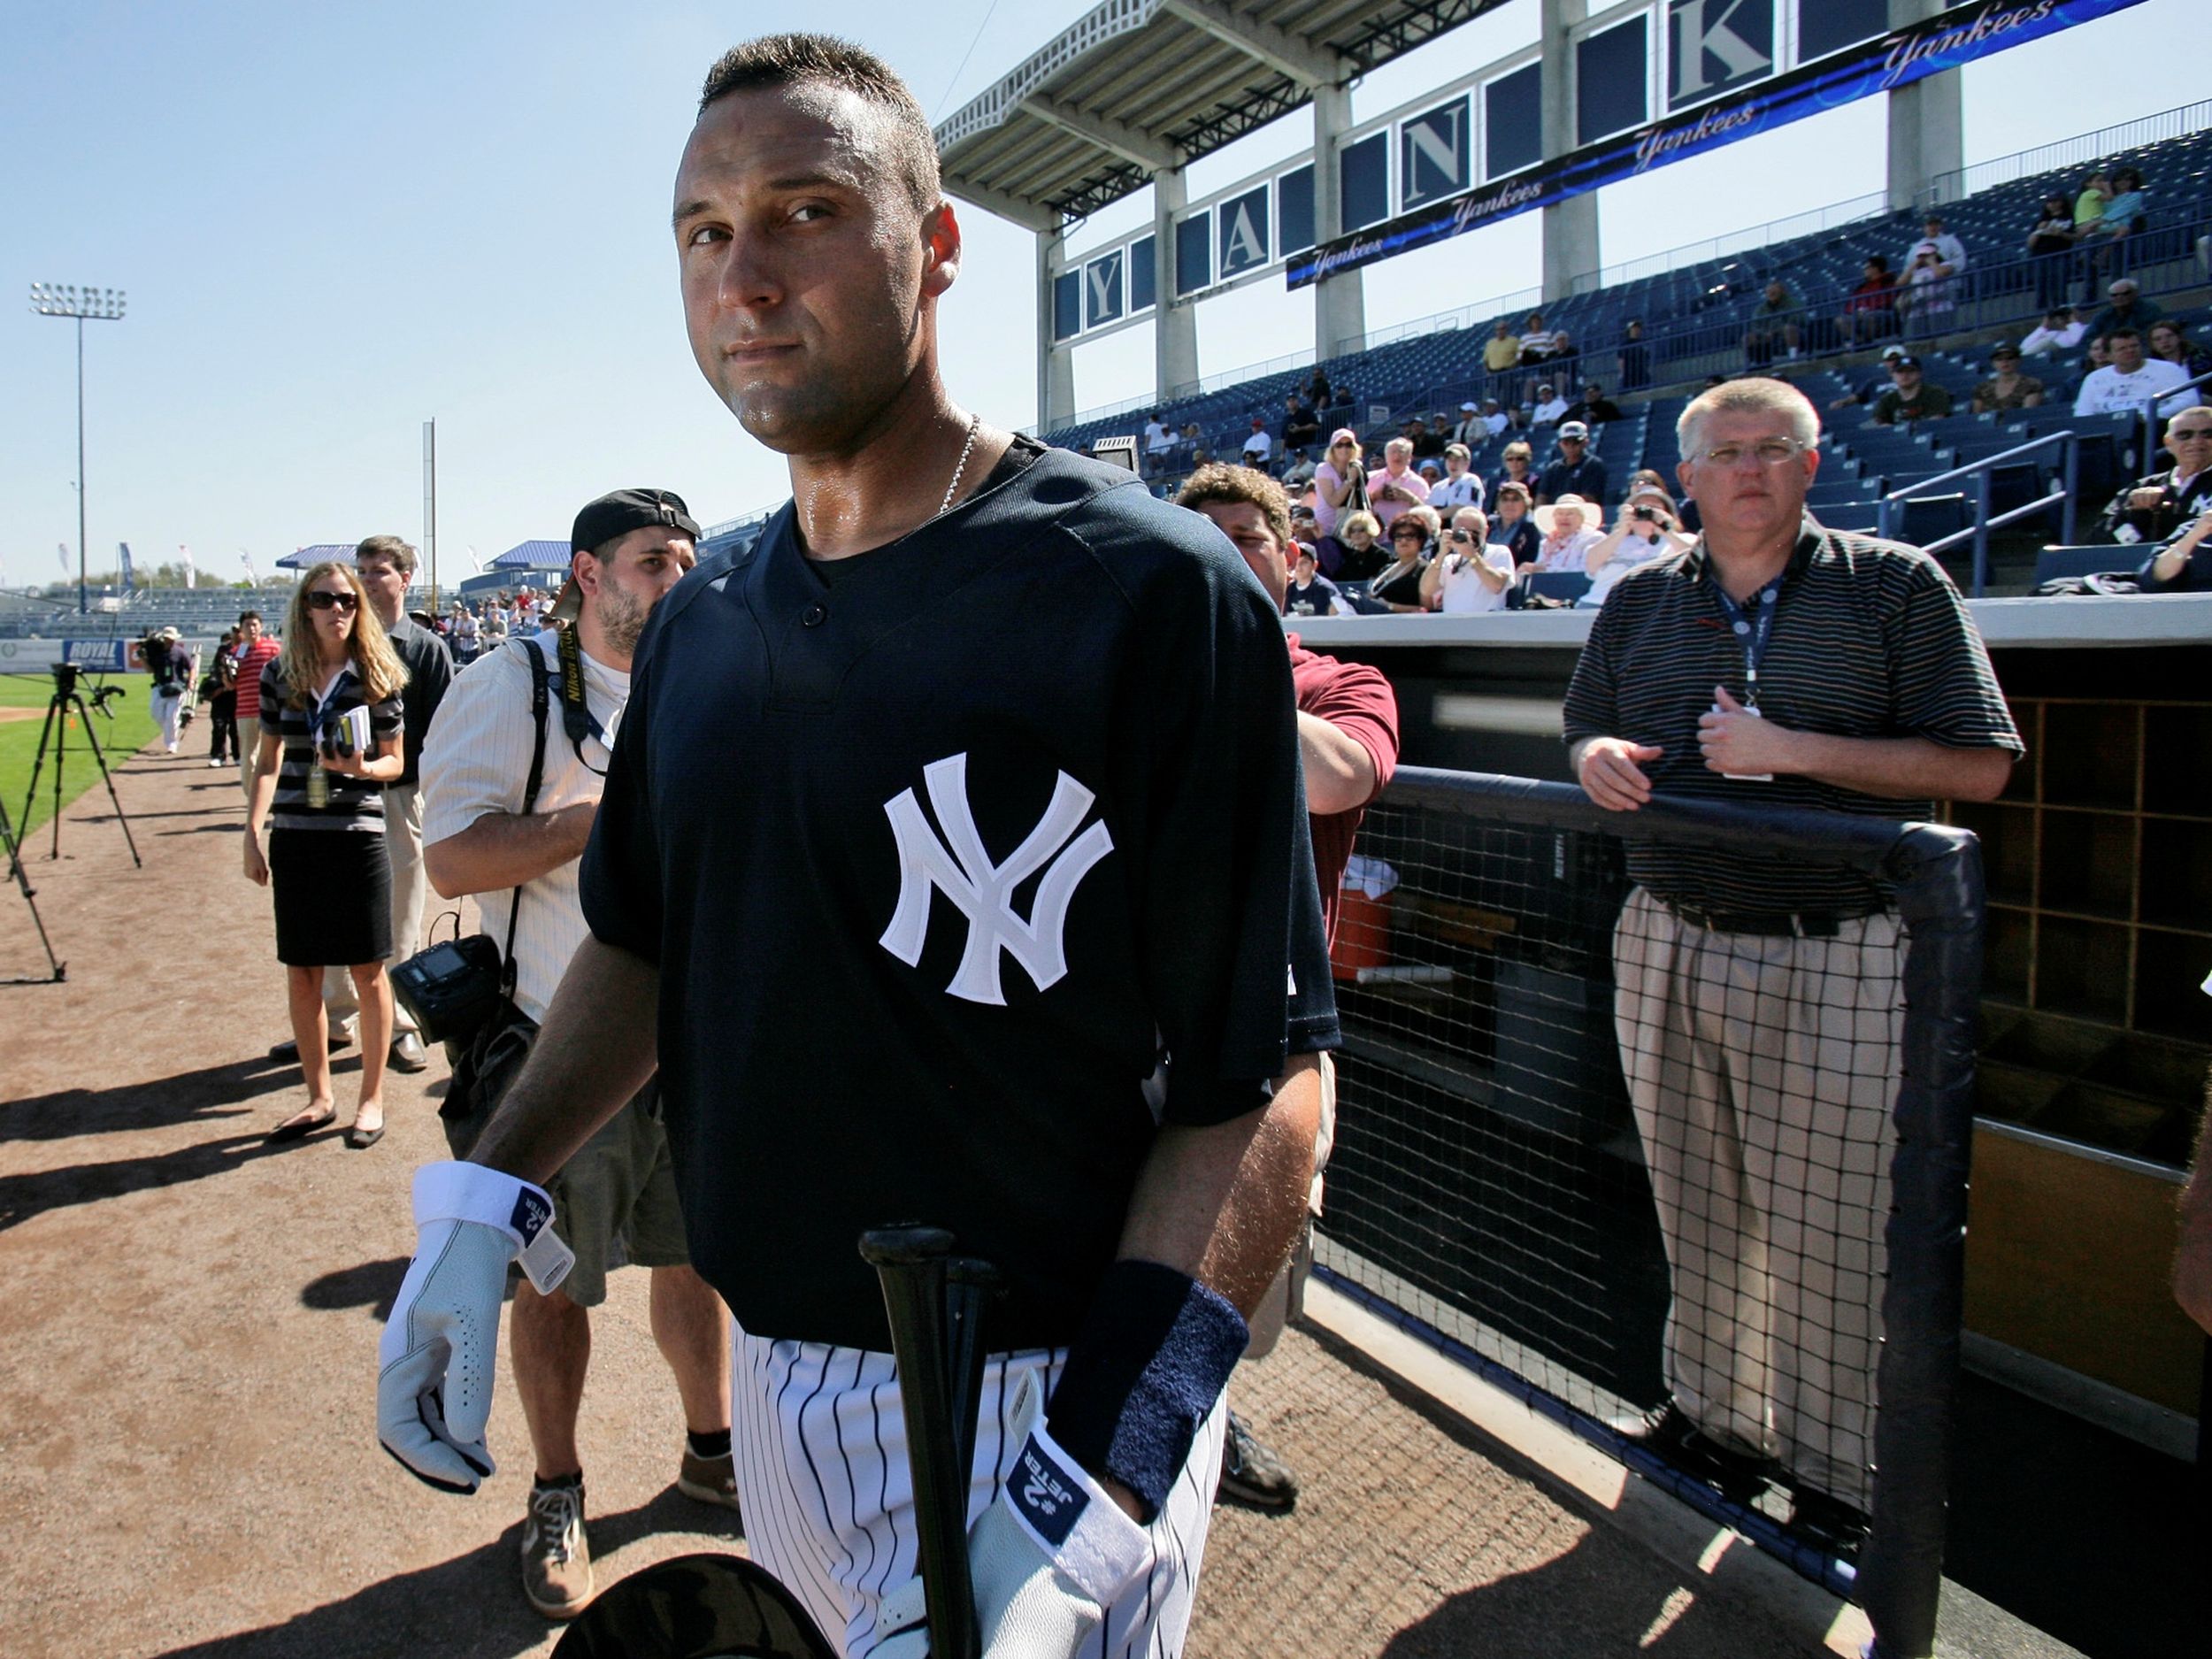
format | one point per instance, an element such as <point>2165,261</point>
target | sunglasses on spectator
<point>2187,435</point>
<point>321,600</point>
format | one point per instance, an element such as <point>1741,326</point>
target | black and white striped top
<point>355,803</point>
<point>1869,640</point>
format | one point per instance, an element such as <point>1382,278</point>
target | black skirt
<point>333,897</point>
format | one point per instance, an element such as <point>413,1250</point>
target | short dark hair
<point>244,617</point>
<point>789,60</point>
<point>1233,485</point>
<point>390,547</point>
<point>2122,334</point>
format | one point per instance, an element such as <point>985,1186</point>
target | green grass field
<point>131,728</point>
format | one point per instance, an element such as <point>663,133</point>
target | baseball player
<point>955,837</point>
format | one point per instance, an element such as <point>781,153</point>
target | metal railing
<point>1751,239</point>
<point>2150,412</point>
<point>1891,506</point>
<point>2080,151</point>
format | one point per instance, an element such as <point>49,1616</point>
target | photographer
<point>1471,574</point>
<point>170,663</point>
<point>219,692</point>
<point>483,835</point>
<point>1647,528</point>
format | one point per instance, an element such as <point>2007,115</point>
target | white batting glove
<point>433,1391</point>
<point>1048,1557</point>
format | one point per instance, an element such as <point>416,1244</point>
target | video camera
<point>66,676</point>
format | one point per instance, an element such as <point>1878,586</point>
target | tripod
<point>67,700</point>
<point>30,897</point>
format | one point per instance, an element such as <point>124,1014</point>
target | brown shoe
<point>709,1480</point>
<point>556,1557</point>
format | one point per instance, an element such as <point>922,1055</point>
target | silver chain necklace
<point>960,472</point>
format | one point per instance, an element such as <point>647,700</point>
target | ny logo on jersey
<point>958,867</point>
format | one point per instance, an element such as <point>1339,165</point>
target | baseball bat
<point>970,1287</point>
<point>910,1265</point>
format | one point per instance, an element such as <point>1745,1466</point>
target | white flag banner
<point>62,548</point>
<point>246,559</point>
<point>191,576</point>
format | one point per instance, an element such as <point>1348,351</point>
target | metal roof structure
<point>304,558</point>
<point>533,556</point>
<point>1139,87</point>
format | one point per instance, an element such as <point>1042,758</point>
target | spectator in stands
<point>1516,465</point>
<point>1633,362</point>
<point>2184,565</point>
<point>1459,486</point>
<point>1770,1173</point>
<point>2169,342</point>
<point>1320,393</point>
<point>1396,486</point>
<point>1190,444</point>
<point>1501,352</point>
<point>2105,243</point>
<point>1647,485</point>
<point>1470,431</point>
<point>1431,445</point>
<point>1576,472</point>
<point>1299,473</point>
<point>1514,528</point>
<point>1564,352</point>
<point>1911,396</point>
<point>1645,530</point>
<point>1301,425</point>
<point>1159,438</point>
<point>1258,448</point>
<point>1870,311</point>
<point>1870,389</point>
<point>1930,298</point>
<point>1356,552</point>
<point>2051,245</point>
<point>2061,330</point>
<point>221,698</point>
<point>1339,483</point>
<point>1551,409</point>
<point>2089,202</point>
<point>2128,309</point>
<point>1412,543</point>
<point>329,741</point>
<point>467,634</point>
<point>2130,379</point>
<point>1775,325</point>
<point>1310,593</point>
<point>1493,419</point>
<point>2007,388</point>
<point>2154,508</point>
<point>1571,528</point>
<point>1595,409</point>
<point>1537,342</point>
<point>1950,251</point>
<point>1469,575</point>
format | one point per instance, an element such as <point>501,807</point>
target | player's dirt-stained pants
<point>1761,1072</point>
<point>822,1473</point>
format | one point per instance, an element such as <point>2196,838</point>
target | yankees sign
<point>958,866</point>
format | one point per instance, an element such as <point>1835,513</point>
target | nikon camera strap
<point>529,800</point>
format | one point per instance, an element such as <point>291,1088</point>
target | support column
<point>1056,364</point>
<point>1927,134</point>
<point>1339,302</point>
<point>1175,323</point>
<point>1569,227</point>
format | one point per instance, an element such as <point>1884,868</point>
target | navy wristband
<point>1152,1358</point>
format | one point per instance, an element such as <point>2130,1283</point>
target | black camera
<point>452,988</point>
<point>1644,515</point>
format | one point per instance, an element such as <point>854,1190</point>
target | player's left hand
<point>1737,740</point>
<point>1048,1557</point>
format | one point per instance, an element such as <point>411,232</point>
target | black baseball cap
<point>1906,362</point>
<point>620,511</point>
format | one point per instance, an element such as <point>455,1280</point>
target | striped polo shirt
<point>1869,639</point>
<point>355,803</point>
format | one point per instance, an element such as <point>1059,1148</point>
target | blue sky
<point>336,222</point>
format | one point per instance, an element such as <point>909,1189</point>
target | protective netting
<point>1638,1156</point>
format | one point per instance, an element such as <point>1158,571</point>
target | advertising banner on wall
<point>1959,36</point>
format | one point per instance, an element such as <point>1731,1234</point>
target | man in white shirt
<point>1259,447</point>
<point>2061,330</point>
<point>2122,386</point>
<point>1950,251</point>
<point>1471,574</point>
<point>1550,409</point>
<point>629,549</point>
<point>1470,430</point>
<point>1459,486</point>
<point>1157,439</point>
<point>1494,418</point>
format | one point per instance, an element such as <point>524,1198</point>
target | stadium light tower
<point>84,305</point>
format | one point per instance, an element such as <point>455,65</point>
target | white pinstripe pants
<point>1761,1072</point>
<point>821,1444</point>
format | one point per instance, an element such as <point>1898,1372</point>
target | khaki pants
<point>403,844</point>
<point>1763,1072</point>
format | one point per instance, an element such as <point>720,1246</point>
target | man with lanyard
<point>2152,508</point>
<point>1348,746</point>
<point>1714,671</point>
<point>865,1012</point>
<point>489,835</point>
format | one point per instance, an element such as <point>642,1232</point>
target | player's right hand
<point>433,1391</point>
<point>1612,772</point>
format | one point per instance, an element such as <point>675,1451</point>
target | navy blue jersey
<point>936,863</point>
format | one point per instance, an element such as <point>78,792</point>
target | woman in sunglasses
<point>1412,537</point>
<point>329,743</point>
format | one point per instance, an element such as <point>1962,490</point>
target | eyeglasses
<point>321,600</point>
<point>1767,452</point>
<point>2187,435</point>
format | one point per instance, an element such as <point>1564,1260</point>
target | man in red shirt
<point>1348,746</point>
<point>256,651</point>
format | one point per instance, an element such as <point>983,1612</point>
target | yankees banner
<point>1959,36</point>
